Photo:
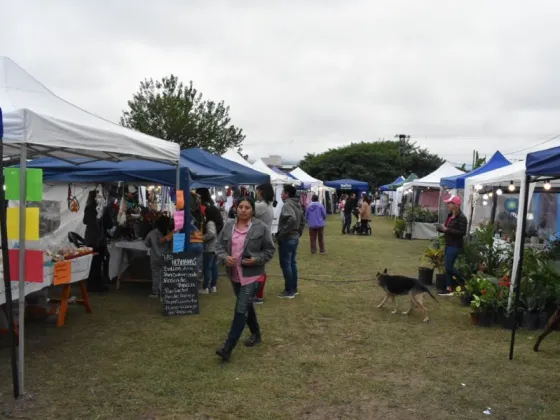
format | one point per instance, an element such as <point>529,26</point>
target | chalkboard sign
<point>180,284</point>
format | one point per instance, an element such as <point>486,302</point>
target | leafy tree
<point>377,163</point>
<point>171,110</point>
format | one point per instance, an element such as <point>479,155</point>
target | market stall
<point>422,212</point>
<point>316,186</point>
<point>36,123</point>
<point>543,168</point>
<point>349,185</point>
<point>388,195</point>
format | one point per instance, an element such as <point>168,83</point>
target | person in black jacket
<point>349,206</point>
<point>454,230</point>
<point>96,238</point>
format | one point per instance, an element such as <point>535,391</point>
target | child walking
<point>158,241</point>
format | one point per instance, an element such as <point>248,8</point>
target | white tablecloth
<point>80,271</point>
<point>119,262</point>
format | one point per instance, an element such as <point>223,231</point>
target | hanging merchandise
<point>100,200</point>
<point>73,203</point>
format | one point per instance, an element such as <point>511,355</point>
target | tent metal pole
<point>178,176</point>
<point>494,205</point>
<point>6,269</point>
<point>521,238</point>
<point>21,298</point>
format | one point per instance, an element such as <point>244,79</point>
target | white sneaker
<point>213,290</point>
<point>204,292</point>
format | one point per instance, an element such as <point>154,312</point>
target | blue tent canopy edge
<point>458,181</point>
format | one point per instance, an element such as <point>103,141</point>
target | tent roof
<point>347,184</point>
<point>433,179</point>
<point>242,175</point>
<point>51,126</point>
<point>504,175</point>
<point>544,162</point>
<point>83,170</point>
<point>275,178</point>
<point>304,177</point>
<point>234,156</point>
<point>387,187</point>
<point>458,181</point>
<point>408,180</point>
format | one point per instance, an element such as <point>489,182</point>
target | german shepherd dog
<point>401,285</point>
<point>552,323</point>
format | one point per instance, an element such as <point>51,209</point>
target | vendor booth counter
<point>79,272</point>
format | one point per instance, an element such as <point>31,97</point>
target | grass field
<point>328,354</point>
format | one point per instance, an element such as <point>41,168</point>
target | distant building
<point>276,160</point>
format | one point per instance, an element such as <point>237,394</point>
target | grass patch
<point>327,354</point>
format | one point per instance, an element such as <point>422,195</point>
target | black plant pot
<point>485,319</point>
<point>440,283</point>
<point>426,276</point>
<point>408,236</point>
<point>543,319</point>
<point>531,320</point>
<point>508,321</point>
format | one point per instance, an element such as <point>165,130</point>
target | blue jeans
<point>210,270</point>
<point>449,258</point>
<point>287,251</point>
<point>347,223</point>
<point>244,313</point>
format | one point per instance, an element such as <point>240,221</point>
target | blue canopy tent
<point>83,170</point>
<point>458,181</point>
<point>539,166</point>
<point>387,187</point>
<point>240,174</point>
<point>203,169</point>
<point>348,185</point>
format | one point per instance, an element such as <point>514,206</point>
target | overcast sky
<point>304,76</point>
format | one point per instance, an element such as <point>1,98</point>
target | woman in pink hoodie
<point>316,216</point>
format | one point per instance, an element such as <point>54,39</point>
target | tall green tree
<point>377,163</point>
<point>173,111</point>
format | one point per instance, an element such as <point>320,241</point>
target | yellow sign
<point>31,223</point>
<point>62,273</point>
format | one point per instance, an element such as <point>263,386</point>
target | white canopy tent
<point>304,177</point>
<point>317,187</point>
<point>433,180</point>
<point>275,178</point>
<point>37,123</point>
<point>234,156</point>
<point>51,126</point>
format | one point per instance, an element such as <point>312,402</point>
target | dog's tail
<point>425,288</point>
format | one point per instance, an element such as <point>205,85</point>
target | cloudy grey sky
<point>303,76</point>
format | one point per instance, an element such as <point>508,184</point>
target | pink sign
<point>179,220</point>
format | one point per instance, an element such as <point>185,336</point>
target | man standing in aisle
<point>349,206</point>
<point>290,228</point>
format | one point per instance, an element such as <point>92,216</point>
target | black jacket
<point>350,205</point>
<point>456,230</point>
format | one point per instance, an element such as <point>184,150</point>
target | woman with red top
<point>245,245</point>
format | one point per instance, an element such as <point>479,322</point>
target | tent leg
<point>6,269</point>
<point>21,299</point>
<point>519,268</point>
<point>178,176</point>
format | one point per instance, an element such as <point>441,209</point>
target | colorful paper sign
<point>31,223</point>
<point>11,181</point>
<point>33,265</point>
<point>62,273</point>
<point>179,219</point>
<point>178,242</point>
<point>180,200</point>
<point>34,184</point>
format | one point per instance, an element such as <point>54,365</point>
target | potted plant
<point>434,258</point>
<point>484,299</point>
<point>464,296</point>
<point>399,228</point>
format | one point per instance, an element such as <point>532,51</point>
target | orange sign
<point>62,273</point>
<point>180,200</point>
